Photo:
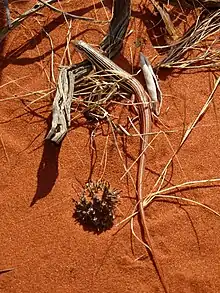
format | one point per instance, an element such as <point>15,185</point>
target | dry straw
<point>193,41</point>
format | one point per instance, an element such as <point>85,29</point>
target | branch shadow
<point>2,23</point>
<point>155,31</point>
<point>12,56</point>
<point>48,169</point>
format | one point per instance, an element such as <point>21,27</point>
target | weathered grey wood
<point>61,106</point>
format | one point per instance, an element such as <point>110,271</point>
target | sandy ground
<point>40,240</point>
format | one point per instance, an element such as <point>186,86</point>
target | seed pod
<point>95,208</point>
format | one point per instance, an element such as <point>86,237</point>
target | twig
<point>4,31</point>
<point>69,14</point>
<point>7,13</point>
<point>2,271</point>
<point>15,23</point>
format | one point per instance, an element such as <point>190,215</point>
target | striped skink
<point>128,82</point>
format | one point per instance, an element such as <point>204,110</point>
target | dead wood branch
<point>111,45</point>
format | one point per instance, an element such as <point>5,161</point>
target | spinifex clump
<point>95,209</point>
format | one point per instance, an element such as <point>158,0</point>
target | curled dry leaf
<point>152,84</point>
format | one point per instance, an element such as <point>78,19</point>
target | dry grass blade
<point>202,112</point>
<point>13,81</point>
<point>186,185</point>
<point>188,201</point>
<point>167,193</point>
<point>69,14</point>
<point>138,238</point>
<point>190,128</point>
<point>121,154</point>
<point>2,271</point>
<point>41,94</point>
<point>201,30</point>
<point>99,96</point>
<point>143,151</point>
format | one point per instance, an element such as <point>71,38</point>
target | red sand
<point>48,250</point>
